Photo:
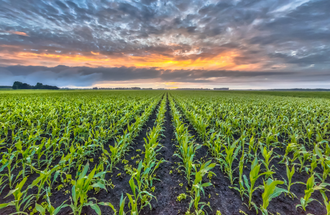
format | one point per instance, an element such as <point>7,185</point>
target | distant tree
<point>38,86</point>
<point>26,86</point>
<point>20,85</point>
<point>17,85</point>
<point>48,87</point>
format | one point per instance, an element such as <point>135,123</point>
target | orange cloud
<point>224,60</point>
<point>95,53</point>
<point>18,33</point>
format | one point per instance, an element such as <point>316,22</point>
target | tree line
<point>20,85</point>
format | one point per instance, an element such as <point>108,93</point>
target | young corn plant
<point>254,175</point>
<point>115,151</point>
<point>201,126</point>
<point>326,169</point>
<point>215,145</point>
<point>311,186</point>
<point>149,172</point>
<point>267,159</point>
<point>152,147</point>
<point>44,179</point>
<point>289,183</point>
<point>65,164</point>
<point>299,152</point>
<point>133,204</point>
<point>80,188</point>
<point>326,202</point>
<point>40,152</point>
<point>270,191</point>
<point>252,147</point>
<point>303,156</point>
<point>241,188</point>
<point>324,161</point>
<point>187,149</point>
<point>198,186</point>
<point>7,162</point>
<point>121,206</point>
<point>313,164</point>
<point>47,208</point>
<point>21,197</point>
<point>231,152</point>
<point>144,175</point>
<point>3,182</point>
<point>289,148</point>
<point>142,197</point>
<point>27,157</point>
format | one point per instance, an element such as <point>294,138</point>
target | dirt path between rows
<point>168,188</point>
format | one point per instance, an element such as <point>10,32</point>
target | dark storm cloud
<point>290,34</point>
<point>306,58</point>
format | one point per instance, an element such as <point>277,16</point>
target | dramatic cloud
<point>240,42</point>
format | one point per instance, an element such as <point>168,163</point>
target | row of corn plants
<point>194,170</point>
<point>122,142</point>
<point>143,177</point>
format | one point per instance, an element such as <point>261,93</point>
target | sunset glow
<point>95,59</point>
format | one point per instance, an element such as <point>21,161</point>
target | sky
<point>240,44</point>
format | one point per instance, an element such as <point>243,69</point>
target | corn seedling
<point>198,186</point>
<point>21,197</point>
<point>254,175</point>
<point>270,191</point>
<point>326,202</point>
<point>231,152</point>
<point>241,188</point>
<point>289,175</point>
<point>80,188</point>
<point>47,207</point>
<point>311,186</point>
<point>267,159</point>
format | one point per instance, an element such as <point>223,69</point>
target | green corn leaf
<point>100,185</point>
<point>40,209</point>
<point>95,207</point>
<point>3,205</point>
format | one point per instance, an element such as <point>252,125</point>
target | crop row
<point>194,170</point>
<point>143,177</point>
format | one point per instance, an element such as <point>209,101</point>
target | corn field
<point>163,152</point>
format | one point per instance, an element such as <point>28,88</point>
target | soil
<point>173,182</point>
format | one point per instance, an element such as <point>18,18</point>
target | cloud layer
<point>186,41</point>
<point>64,76</point>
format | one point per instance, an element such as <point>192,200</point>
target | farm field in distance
<point>164,152</point>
